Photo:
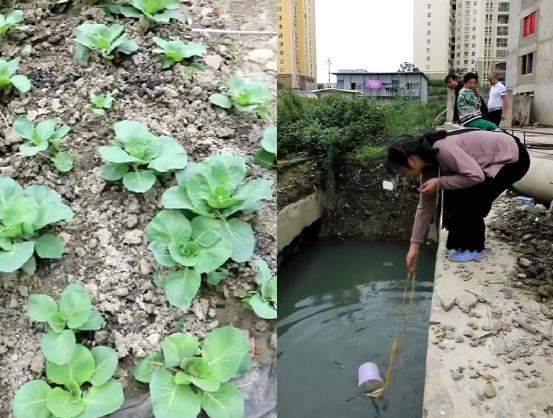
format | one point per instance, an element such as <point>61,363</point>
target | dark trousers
<point>465,209</point>
<point>494,116</point>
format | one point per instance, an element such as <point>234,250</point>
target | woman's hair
<point>450,76</point>
<point>470,76</point>
<point>404,146</point>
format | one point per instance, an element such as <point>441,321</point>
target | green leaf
<point>182,378</point>
<point>181,287</point>
<point>11,261</point>
<point>269,290</point>
<point>103,400</point>
<point>243,240</point>
<point>162,254</point>
<point>30,400</point>
<point>21,83</point>
<point>227,402</point>
<point>171,400</point>
<point>269,140</point>
<point>115,154</point>
<point>30,150</point>
<point>221,100</point>
<point>224,349</point>
<point>177,197</point>
<point>139,181</point>
<point>41,307</point>
<point>172,156</point>
<point>106,360</point>
<point>262,307</point>
<point>60,134</point>
<point>56,322</point>
<point>251,194</point>
<point>264,158</point>
<point>200,375</point>
<point>75,305</point>
<point>58,348</point>
<point>24,127</point>
<point>145,368</point>
<point>49,246</point>
<point>51,207</point>
<point>169,226</point>
<point>114,171</point>
<point>9,189</point>
<point>15,17</point>
<point>63,161</point>
<point>94,322</point>
<point>78,370</point>
<point>263,272</point>
<point>30,266</point>
<point>124,45</point>
<point>62,404</point>
<point>177,347</point>
<point>215,277</point>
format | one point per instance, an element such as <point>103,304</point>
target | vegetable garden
<point>137,219</point>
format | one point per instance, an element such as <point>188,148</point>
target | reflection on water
<point>340,306</point>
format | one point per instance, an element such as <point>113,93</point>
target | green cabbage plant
<point>187,376</point>
<point>244,96</point>
<point>137,156</point>
<point>10,21</point>
<point>107,40</point>
<point>101,103</point>
<point>39,137</point>
<point>78,381</point>
<point>8,76</point>
<point>24,212</point>
<point>178,51</point>
<point>266,156</point>
<point>264,301</point>
<point>160,11</point>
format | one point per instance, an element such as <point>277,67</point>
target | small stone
<point>456,375</point>
<point>132,220</point>
<point>104,236</point>
<point>213,61</point>
<point>468,333</point>
<point>442,346</point>
<point>196,91</point>
<point>273,341</point>
<point>533,384</point>
<point>133,237</point>
<point>153,339</point>
<point>524,262</point>
<point>489,391</point>
<point>486,327</point>
<point>447,304</point>
<point>224,132</point>
<point>37,365</point>
<point>145,267</point>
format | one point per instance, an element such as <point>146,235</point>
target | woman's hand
<point>429,187</point>
<point>412,255</point>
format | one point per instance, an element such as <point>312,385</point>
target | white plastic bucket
<point>368,371</point>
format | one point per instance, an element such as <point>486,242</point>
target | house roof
<point>362,72</point>
<point>330,89</point>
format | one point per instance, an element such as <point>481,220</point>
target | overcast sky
<point>376,35</point>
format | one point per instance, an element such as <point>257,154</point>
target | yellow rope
<point>401,331</point>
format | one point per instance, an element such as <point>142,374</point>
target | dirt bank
<point>106,248</point>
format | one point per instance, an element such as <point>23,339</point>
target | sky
<point>376,35</point>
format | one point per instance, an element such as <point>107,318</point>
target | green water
<point>339,306</point>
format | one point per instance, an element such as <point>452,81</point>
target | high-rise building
<point>432,29</point>
<point>296,49</point>
<point>470,34</point>
<point>531,56</point>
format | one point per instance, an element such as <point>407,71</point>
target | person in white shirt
<point>498,101</point>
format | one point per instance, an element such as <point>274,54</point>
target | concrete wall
<point>540,82</point>
<point>344,81</point>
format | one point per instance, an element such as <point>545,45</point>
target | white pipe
<point>538,182</point>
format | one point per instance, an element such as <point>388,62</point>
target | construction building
<point>296,48</point>
<point>530,59</point>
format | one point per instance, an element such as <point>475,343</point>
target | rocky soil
<point>106,248</point>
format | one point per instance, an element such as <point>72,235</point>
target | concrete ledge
<point>295,217</point>
<point>480,361</point>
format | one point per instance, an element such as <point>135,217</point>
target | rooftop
<point>365,72</point>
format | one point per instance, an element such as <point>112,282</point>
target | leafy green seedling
<point>82,387</point>
<point>137,156</point>
<point>266,156</point>
<point>39,137</point>
<point>102,102</point>
<point>108,40</point>
<point>9,78</point>
<point>24,212</point>
<point>73,313</point>
<point>264,301</point>
<point>186,377</point>
<point>160,11</point>
<point>10,21</point>
<point>178,51</point>
<point>244,96</point>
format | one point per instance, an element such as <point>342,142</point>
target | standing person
<point>469,105</point>
<point>473,167</point>
<point>452,82</point>
<point>498,101</point>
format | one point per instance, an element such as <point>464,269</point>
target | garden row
<point>195,234</point>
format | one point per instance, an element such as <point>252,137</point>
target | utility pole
<point>328,61</point>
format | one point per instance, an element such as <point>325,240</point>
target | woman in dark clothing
<point>473,167</point>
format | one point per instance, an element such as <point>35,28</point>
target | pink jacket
<point>465,159</point>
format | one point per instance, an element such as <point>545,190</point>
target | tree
<point>407,67</point>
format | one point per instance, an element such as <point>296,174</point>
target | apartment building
<point>296,48</point>
<point>530,60</point>
<point>431,28</point>
<point>479,32</point>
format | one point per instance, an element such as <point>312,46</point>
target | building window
<point>501,42</point>
<point>428,23</point>
<point>429,6</point>
<point>466,54</point>
<point>428,32</point>
<point>504,6</point>
<point>529,25</point>
<point>458,54</point>
<point>353,86</point>
<point>428,41</point>
<point>503,19</point>
<point>474,45</point>
<point>473,53</point>
<point>429,14</point>
<point>427,58</point>
<point>427,49</point>
<point>503,31</point>
<point>527,63</point>
<point>466,62</point>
